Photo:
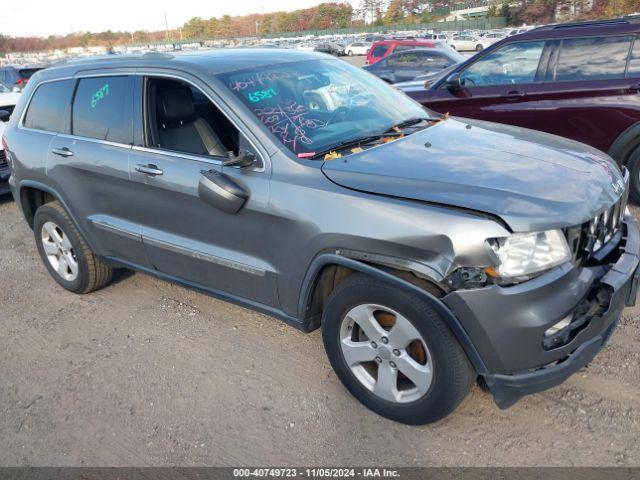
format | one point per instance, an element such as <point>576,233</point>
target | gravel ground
<point>145,373</point>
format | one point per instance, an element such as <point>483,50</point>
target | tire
<point>479,48</point>
<point>440,392</point>
<point>54,230</point>
<point>633,164</point>
<point>350,53</point>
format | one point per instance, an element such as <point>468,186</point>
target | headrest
<point>176,104</point>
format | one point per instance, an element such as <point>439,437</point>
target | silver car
<point>432,251</point>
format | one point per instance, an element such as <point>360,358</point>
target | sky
<point>58,17</point>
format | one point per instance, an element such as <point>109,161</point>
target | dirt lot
<point>147,373</point>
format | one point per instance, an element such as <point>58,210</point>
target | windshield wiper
<point>410,122</point>
<point>354,142</point>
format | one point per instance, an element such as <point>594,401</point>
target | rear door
<point>89,165</point>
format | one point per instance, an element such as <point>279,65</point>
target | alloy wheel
<point>386,353</point>
<point>59,252</point>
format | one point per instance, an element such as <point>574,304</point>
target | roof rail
<point>592,23</point>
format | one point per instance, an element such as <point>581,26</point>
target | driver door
<point>186,234</point>
<point>495,86</point>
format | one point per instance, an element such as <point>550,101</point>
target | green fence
<point>458,25</point>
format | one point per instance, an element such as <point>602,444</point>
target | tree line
<point>329,15</point>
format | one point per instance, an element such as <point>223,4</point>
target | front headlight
<point>520,256</point>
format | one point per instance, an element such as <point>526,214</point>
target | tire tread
<point>99,274</point>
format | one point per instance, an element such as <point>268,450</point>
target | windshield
<point>4,88</point>
<point>313,105</point>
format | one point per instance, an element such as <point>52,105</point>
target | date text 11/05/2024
<point>316,472</point>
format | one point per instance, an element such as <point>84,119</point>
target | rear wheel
<point>65,253</point>
<point>393,352</point>
<point>478,47</point>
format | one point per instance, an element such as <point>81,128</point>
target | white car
<point>357,48</point>
<point>493,37</point>
<point>8,97</point>
<point>307,47</point>
<point>463,43</point>
<point>8,100</point>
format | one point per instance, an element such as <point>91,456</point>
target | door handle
<point>513,95</point>
<point>150,169</point>
<point>63,152</point>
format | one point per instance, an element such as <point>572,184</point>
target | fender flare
<point>450,319</point>
<point>54,193</point>
<point>626,143</point>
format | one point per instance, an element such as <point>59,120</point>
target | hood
<point>532,180</point>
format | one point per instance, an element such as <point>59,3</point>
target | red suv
<point>382,48</point>
<point>579,80</point>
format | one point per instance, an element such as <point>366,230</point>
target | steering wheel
<point>338,112</point>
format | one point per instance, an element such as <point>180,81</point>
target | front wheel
<point>478,48</point>
<point>393,352</point>
<point>350,53</point>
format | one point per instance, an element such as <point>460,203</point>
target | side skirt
<point>243,302</point>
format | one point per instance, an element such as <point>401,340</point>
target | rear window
<point>28,72</point>
<point>379,51</point>
<point>102,109</point>
<point>401,48</point>
<point>596,58</point>
<point>48,107</point>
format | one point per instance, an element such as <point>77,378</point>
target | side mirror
<point>453,82</point>
<point>16,90</point>
<point>243,159</point>
<point>4,116</point>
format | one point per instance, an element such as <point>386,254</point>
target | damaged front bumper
<point>508,325</point>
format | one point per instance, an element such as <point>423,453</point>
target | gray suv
<point>432,251</point>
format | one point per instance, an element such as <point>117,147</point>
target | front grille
<point>3,159</point>
<point>588,239</point>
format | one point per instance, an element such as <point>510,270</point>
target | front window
<point>4,88</point>
<point>314,105</point>
<point>512,64</point>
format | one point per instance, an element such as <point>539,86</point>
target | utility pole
<point>257,27</point>
<point>166,25</point>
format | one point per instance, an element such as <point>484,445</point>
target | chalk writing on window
<point>257,80</point>
<point>99,95</point>
<point>290,121</point>
<point>260,95</point>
